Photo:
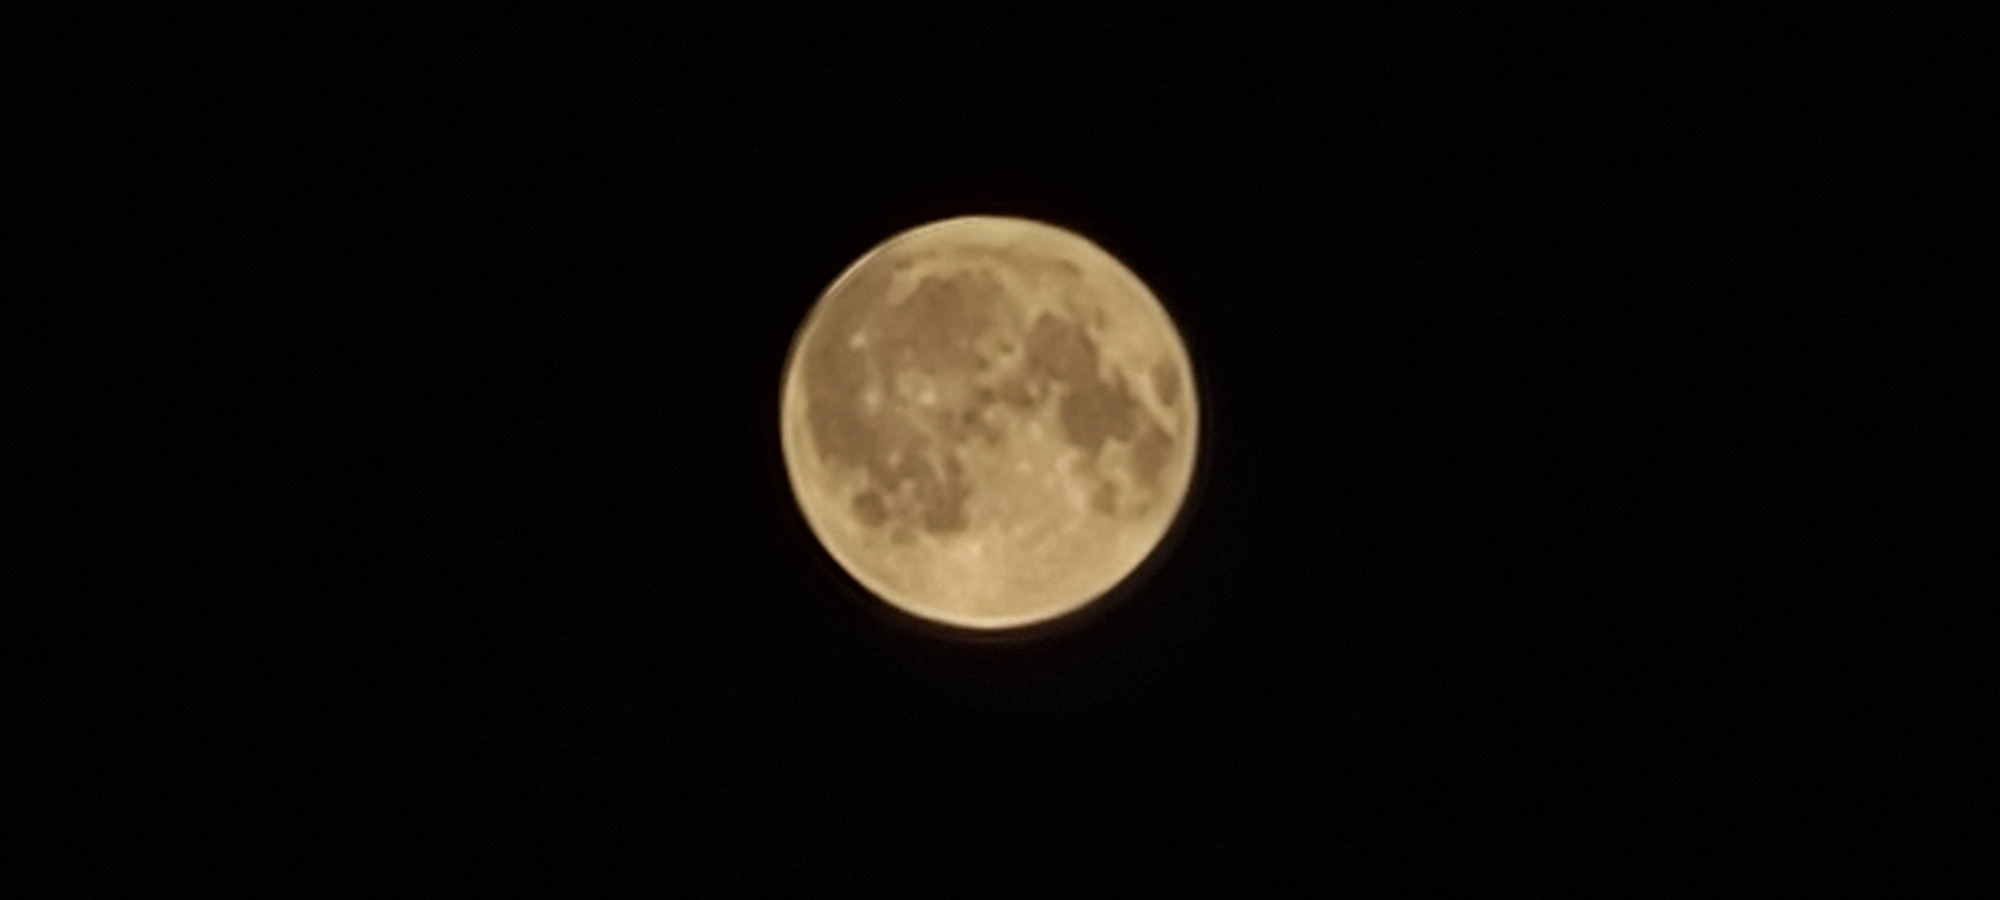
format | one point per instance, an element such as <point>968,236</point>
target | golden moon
<point>988,422</point>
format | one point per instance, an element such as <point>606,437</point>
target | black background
<point>459,348</point>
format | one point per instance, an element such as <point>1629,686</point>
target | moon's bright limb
<point>989,422</point>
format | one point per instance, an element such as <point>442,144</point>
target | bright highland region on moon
<point>988,422</point>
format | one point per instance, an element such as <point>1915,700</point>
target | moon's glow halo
<point>988,422</point>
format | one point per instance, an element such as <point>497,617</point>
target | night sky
<point>461,356</point>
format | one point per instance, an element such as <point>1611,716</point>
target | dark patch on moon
<point>1104,498</point>
<point>1093,412</point>
<point>943,504</point>
<point>868,507</point>
<point>959,330</point>
<point>1017,393</point>
<point>934,328</point>
<point>1060,350</point>
<point>1166,382</point>
<point>957,426</point>
<point>1149,454</point>
<point>911,478</point>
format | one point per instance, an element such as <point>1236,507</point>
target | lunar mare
<point>988,422</point>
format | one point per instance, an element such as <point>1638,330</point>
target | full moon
<point>988,422</point>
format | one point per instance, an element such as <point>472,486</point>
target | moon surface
<point>988,422</point>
